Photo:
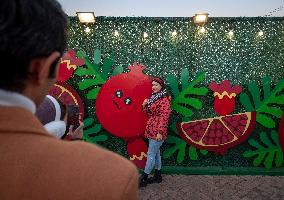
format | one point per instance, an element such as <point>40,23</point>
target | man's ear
<point>40,68</point>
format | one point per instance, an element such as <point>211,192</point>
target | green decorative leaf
<point>258,159</point>
<point>204,152</point>
<point>183,110</point>
<point>170,151</point>
<point>180,147</point>
<point>265,121</point>
<point>92,94</point>
<point>265,139</point>
<point>265,109</point>
<point>267,154</point>
<point>254,90</point>
<point>198,91</point>
<point>97,56</point>
<point>279,158</point>
<point>181,153</point>
<point>100,138</point>
<point>96,139</point>
<point>99,70</point>
<point>80,71</point>
<point>184,78</point>
<point>182,102</point>
<point>173,83</point>
<point>266,86</point>
<point>95,129</point>
<point>254,143</point>
<point>91,129</point>
<point>108,63</point>
<point>90,69</point>
<point>193,102</point>
<point>277,100</point>
<point>174,127</point>
<point>244,98</point>
<point>88,83</point>
<point>192,153</point>
<point>277,112</point>
<point>117,70</point>
<point>88,122</point>
<point>268,160</point>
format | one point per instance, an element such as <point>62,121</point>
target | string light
<point>145,35</point>
<point>174,33</point>
<point>116,33</point>
<point>87,30</point>
<point>260,33</point>
<point>202,30</point>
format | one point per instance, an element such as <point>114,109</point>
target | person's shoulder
<point>94,154</point>
<point>89,164</point>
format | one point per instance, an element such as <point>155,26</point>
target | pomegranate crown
<point>225,86</point>
<point>137,68</point>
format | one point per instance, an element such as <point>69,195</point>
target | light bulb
<point>116,33</point>
<point>87,30</point>
<point>231,33</point>
<point>202,30</point>
<point>174,33</point>
<point>260,33</point>
<point>145,35</point>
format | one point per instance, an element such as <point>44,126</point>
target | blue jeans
<point>153,156</point>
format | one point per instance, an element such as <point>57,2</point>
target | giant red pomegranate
<point>119,109</point>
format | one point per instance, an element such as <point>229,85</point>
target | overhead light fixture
<point>200,18</point>
<point>86,17</point>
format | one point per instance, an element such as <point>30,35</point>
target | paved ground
<point>195,187</point>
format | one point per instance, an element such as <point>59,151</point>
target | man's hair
<point>29,29</point>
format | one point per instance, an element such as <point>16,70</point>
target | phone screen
<point>73,116</point>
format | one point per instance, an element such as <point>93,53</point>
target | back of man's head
<point>29,29</point>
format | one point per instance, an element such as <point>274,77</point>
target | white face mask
<point>56,128</point>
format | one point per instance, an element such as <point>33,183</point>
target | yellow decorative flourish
<point>142,155</point>
<point>69,66</point>
<point>225,93</point>
<point>65,90</point>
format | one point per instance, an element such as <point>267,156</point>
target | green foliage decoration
<point>266,108</point>
<point>267,152</point>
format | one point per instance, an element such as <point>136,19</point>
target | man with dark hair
<point>33,164</point>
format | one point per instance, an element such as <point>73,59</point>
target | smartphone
<point>73,116</point>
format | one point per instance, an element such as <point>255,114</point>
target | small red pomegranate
<point>68,64</point>
<point>224,93</point>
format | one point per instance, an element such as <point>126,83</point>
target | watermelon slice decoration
<point>218,134</point>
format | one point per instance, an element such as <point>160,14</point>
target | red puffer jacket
<point>159,113</point>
